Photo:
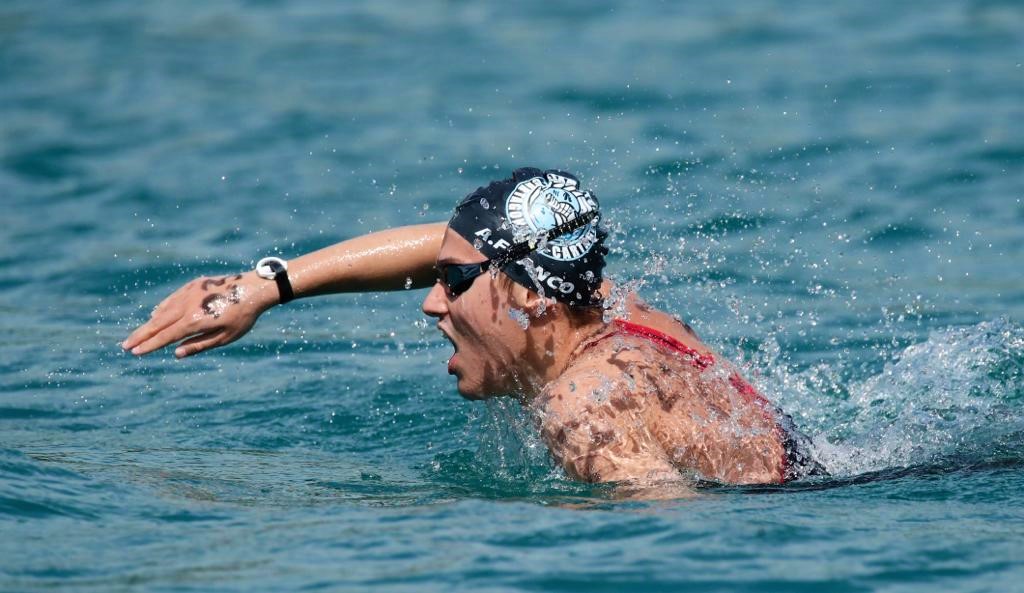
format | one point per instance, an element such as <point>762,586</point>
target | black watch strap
<point>277,269</point>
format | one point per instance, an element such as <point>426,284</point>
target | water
<point>830,194</point>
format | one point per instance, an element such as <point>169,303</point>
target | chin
<point>465,392</point>
<point>473,397</point>
<point>474,393</point>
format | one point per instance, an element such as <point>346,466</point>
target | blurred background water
<point>829,192</point>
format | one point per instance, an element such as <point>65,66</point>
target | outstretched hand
<point>208,311</point>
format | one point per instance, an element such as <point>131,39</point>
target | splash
<point>955,396</point>
<point>510,458</point>
<point>520,317</point>
<point>510,438</point>
<point>953,400</point>
<point>616,304</point>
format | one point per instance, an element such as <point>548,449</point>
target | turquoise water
<point>830,193</point>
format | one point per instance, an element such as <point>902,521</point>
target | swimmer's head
<point>510,247</point>
<point>542,230</point>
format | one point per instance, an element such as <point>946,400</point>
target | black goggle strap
<point>457,277</point>
<point>521,250</point>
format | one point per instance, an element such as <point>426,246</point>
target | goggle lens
<point>459,277</point>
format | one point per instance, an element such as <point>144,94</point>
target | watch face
<point>270,267</point>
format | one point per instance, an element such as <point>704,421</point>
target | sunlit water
<point>830,194</point>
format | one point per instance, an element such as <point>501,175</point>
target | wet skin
<point>213,304</point>
<point>628,410</point>
<point>622,410</point>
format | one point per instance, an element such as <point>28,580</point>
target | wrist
<point>259,292</point>
<point>276,270</point>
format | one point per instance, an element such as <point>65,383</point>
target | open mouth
<point>451,360</point>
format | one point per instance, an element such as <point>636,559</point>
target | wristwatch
<point>276,269</point>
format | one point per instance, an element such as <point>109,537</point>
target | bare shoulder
<point>596,429</point>
<point>598,383</point>
<point>642,313</point>
<point>628,397</point>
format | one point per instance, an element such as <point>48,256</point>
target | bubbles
<point>617,302</point>
<point>539,240</point>
<point>531,271</point>
<point>484,204</point>
<point>478,244</point>
<point>520,317</point>
<point>408,282</point>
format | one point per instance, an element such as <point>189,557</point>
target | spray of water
<point>953,398</point>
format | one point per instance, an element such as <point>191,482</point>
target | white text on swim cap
<point>485,235</point>
<point>554,282</point>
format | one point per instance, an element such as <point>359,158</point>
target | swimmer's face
<point>488,342</point>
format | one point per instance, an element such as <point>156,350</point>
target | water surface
<point>830,194</point>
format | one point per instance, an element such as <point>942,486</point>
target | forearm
<point>211,312</point>
<point>392,259</point>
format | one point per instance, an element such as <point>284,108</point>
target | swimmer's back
<point>682,399</point>
<point>643,314</point>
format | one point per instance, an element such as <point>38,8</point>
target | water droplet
<point>520,317</point>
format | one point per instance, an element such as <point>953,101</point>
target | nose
<point>436,302</point>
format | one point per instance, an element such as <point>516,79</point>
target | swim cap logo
<point>542,203</point>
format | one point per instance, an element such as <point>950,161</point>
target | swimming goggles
<point>457,278</point>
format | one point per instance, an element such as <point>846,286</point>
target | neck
<point>552,349</point>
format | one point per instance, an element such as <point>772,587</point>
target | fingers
<point>199,343</point>
<point>207,310</point>
<point>169,311</point>
<point>179,330</point>
<point>144,332</point>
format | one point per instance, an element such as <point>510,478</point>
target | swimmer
<point>517,287</point>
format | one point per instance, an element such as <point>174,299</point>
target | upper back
<point>634,389</point>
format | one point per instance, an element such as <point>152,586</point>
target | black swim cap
<point>542,230</point>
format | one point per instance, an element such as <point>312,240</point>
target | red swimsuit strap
<point>701,362</point>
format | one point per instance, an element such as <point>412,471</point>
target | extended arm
<point>393,259</point>
<point>212,312</point>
